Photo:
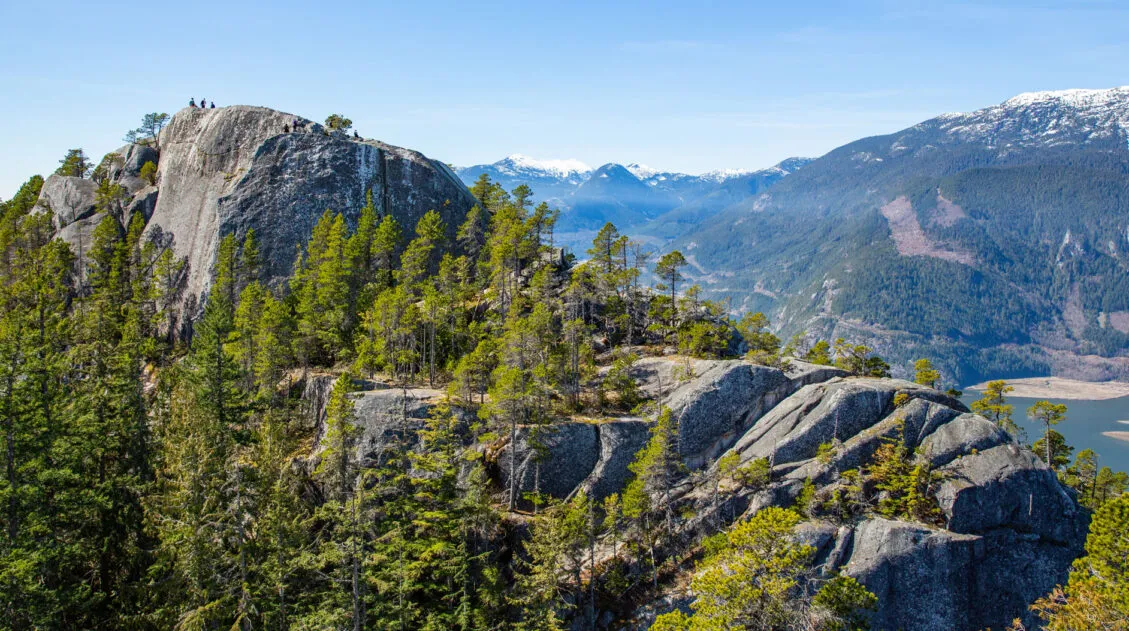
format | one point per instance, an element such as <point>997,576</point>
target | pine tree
<point>1050,414</point>
<point>994,406</point>
<point>1097,594</point>
<point>925,374</point>
<point>669,271</point>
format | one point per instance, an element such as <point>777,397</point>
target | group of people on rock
<point>203,103</point>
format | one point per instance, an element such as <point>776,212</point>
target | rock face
<point>228,170</point>
<point>69,198</point>
<point>926,578</point>
<point>572,456</point>
<point>723,400</point>
<point>713,407</point>
<point>1011,529</point>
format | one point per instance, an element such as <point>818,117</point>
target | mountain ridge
<point>989,198</point>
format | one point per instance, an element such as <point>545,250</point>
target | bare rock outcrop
<point>228,170</point>
<point>719,403</point>
<point>69,198</point>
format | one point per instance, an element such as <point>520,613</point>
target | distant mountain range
<point>995,242</point>
<point>644,202</point>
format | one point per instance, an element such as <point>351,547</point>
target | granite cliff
<point>231,169</point>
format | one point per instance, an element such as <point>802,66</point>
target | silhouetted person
<point>286,129</point>
<point>203,104</point>
<point>213,106</point>
<point>356,135</point>
<point>191,102</point>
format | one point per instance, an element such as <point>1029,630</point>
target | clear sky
<point>688,85</point>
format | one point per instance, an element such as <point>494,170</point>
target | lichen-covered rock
<point>144,202</point>
<point>1009,487</point>
<point>822,413</point>
<point>228,170</point>
<point>551,459</point>
<point>619,442</point>
<point>966,434</point>
<point>69,198</point>
<point>720,403</point>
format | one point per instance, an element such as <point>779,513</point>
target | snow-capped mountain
<point>977,235</point>
<point>631,195</point>
<point>523,165</point>
<point>1040,119</point>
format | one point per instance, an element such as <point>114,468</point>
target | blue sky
<point>688,86</point>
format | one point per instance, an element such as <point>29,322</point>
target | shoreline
<point>1117,435</point>
<point>1065,389</point>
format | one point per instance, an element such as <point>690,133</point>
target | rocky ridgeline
<point>230,169</point>
<point>1010,533</point>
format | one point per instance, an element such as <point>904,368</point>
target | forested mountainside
<point>437,420</point>
<point>993,241</point>
<point>653,206</point>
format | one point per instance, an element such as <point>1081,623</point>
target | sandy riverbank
<point>1059,388</point>
<point>1118,435</point>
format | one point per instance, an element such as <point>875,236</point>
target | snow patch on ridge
<point>520,163</point>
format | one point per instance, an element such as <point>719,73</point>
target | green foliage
<point>74,164</point>
<point>755,474</point>
<point>337,122</point>
<point>805,500</point>
<point>1059,452</point>
<point>149,173</point>
<point>150,129</point>
<point>819,354</point>
<point>762,346</point>
<point>619,381</point>
<point>858,360</point>
<point>753,580</point>
<point>843,604</point>
<point>908,488</point>
<point>925,374</point>
<point>993,405</point>
<point>1097,594</point>
<point>1048,415</point>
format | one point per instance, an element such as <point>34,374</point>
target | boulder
<point>620,440</point>
<point>1009,487</point>
<point>78,234</point>
<point>835,410</point>
<point>719,403</point>
<point>936,580</point>
<point>144,202</point>
<point>553,459</point>
<point>913,421</point>
<point>924,579</point>
<point>69,198</point>
<point>228,170</point>
<point>134,157</point>
<point>966,434</point>
<point>804,374</point>
<point>576,455</point>
<point>389,418</point>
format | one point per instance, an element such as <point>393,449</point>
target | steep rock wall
<point>227,170</point>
